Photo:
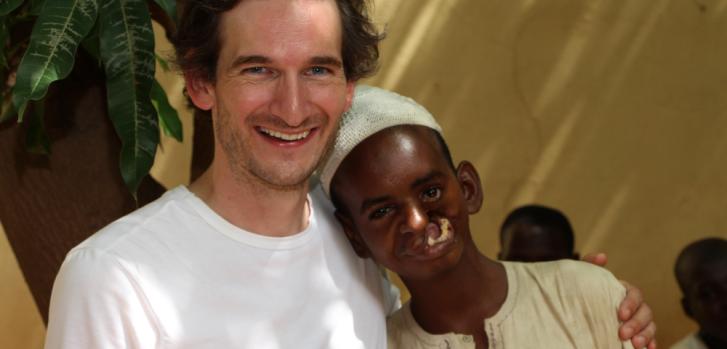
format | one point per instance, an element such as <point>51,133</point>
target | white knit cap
<point>373,109</point>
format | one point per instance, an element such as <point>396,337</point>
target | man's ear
<point>200,91</point>
<point>687,307</point>
<point>350,89</point>
<point>471,186</point>
<point>353,236</point>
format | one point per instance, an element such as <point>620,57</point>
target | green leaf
<point>162,62</point>
<point>3,41</point>
<point>7,111</point>
<point>91,43</point>
<point>170,7</point>
<point>7,6</point>
<point>36,6</point>
<point>59,29</point>
<point>36,140</point>
<point>127,51</point>
<point>168,117</point>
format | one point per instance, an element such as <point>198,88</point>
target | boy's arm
<point>96,304</point>
<point>636,316</point>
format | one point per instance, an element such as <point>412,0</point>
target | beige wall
<point>613,111</point>
<point>20,322</point>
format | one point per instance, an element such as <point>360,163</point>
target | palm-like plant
<point>118,35</point>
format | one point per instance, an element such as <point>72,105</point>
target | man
<point>701,271</point>
<point>536,233</point>
<point>246,257</point>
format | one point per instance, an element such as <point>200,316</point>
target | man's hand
<point>638,320</point>
<point>635,315</point>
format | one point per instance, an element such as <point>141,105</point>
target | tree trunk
<point>52,203</point>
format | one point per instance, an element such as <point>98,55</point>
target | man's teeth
<point>285,136</point>
<point>445,231</point>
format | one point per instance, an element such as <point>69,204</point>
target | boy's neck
<point>462,298</point>
<point>712,342</point>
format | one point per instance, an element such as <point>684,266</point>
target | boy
<point>536,233</point>
<point>701,271</point>
<point>403,203</point>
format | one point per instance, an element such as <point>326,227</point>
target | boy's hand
<point>635,315</point>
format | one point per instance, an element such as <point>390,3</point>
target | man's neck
<point>460,299</point>
<point>253,206</point>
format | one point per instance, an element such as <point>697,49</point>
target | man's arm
<point>96,304</point>
<point>635,315</point>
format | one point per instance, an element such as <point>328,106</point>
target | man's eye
<point>255,70</point>
<point>380,212</point>
<point>319,70</point>
<point>431,194</point>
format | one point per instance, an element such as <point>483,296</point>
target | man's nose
<point>415,219</point>
<point>290,101</point>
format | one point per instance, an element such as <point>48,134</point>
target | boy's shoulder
<point>566,271</point>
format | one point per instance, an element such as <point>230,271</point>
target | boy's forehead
<point>396,142</point>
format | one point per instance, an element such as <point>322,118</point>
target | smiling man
<point>245,257</point>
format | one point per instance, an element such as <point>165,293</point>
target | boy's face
<point>524,242</point>
<point>403,205</point>
<point>705,298</point>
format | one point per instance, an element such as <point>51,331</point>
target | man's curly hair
<point>197,42</point>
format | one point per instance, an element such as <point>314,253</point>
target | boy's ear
<point>200,91</point>
<point>471,186</point>
<point>353,237</point>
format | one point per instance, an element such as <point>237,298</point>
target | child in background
<point>403,203</point>
<point>536,233</point>
<point>701,272</point>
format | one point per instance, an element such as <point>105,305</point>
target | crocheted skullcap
<point>373,109</point>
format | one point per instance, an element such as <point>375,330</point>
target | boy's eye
<point>431,194</point>
<point>380,212</point>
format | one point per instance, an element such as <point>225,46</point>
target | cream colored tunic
<point>691,341</point>
<point>558,305</point>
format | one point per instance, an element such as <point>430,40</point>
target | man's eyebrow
<point>428,177</point>
<point>326,60</point>
<point>253,59</point>
<point>373,201</point>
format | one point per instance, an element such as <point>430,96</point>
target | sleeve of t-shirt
<point>600,295</point>
<point>96,303</point>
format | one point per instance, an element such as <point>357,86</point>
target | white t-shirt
<point>550,305</point>
<point>174,274</point>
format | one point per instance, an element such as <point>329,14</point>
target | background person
<point>536,233</point>
<point>701,272</point>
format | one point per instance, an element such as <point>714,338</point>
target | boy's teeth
<point>285,136</point>
<point>445,231</point>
